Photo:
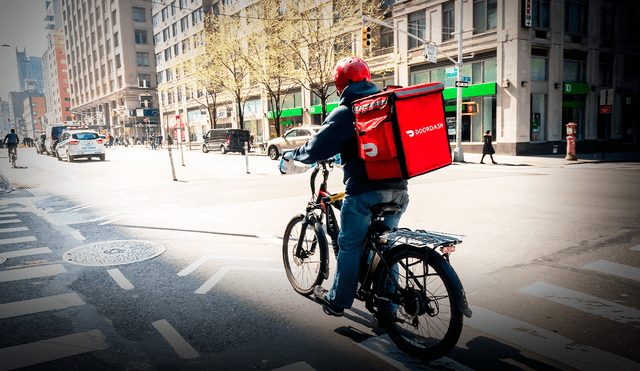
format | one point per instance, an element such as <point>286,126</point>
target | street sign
<point>466,78</point>
<point>451,72</point>
<point>430,53</point>
<point>462,84</point>
<point>605,109</point>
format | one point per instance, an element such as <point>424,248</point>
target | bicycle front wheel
<point>418,306</point>
<point>304,265</point>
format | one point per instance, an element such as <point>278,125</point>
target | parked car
<point>53,133</point>
<point>40,141</point>
<point>80,143</point>
<point>291,139</point>
<point>226,140</point>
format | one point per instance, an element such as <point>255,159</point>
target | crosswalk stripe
<point>193,266</point>
<point>120,279</point>
<point>48,350</point>
<point>583,302</point>
<point>21,308</point>
<point>546,343</point>
<point>10,221</point>
<point>208,285</point>
<point>14,229</point>
<point>8,215</point>
<point>9,241</point>
<point>25,252</point>
<point>177,342</point>
<point>32,272</point>
<point>616,269</point>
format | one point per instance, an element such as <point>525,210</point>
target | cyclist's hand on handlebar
<point>288,166</point>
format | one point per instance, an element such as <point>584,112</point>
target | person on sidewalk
<point>487,149</point>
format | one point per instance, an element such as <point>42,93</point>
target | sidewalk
<point>553,160</point>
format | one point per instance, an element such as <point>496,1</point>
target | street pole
<point>458,154</point>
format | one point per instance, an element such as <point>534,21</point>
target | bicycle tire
<point>428,322</point>
<point>304,272</point>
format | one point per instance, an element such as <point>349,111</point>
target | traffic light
<point>366,36</point>
<point>469,108</point>
<point>73,117</point>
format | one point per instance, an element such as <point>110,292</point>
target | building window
<point>159,77</point>
<point>575,18</point>
<point>538,117</point>
<point>448,20</point>
<point>114,19</point>
<point>118,64</point>
<point>573,71</point>
<point>185,46</point>
<point>159,59</point>
<point>166,34</point>
<point>144,81</point>
<point>184,24</point>
<point>417,23</point>
<point>538,69</point>
<point>139,15</point>
<point>157,38</point>
<point>183,4</point>
<point>197,16</point>
<point>141,36</point>
<point>145,101</point>
<point>167,54</point>
<point>143,59</point>
<point>165,14</point>
<point>540,16</point>
<point>155,20</point>
<point>175,29</point>
<point>173,8</point>
<point>116,41</point>
<point>607,24</point>
<point>176,49</point>
<point>485,15</point>
<point>169,74</point>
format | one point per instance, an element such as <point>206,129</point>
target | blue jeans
<point>355,220</point>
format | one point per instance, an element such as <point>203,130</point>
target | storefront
<point>253,119</point>
<point>290,116</point>
<point>573,106</point>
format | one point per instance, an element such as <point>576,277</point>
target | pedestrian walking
<point>159,140</point>
<point>487,148</point>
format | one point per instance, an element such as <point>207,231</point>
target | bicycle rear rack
<point>421,238</point>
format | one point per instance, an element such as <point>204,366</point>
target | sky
<point>21,25</point>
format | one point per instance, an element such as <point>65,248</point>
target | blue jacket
<point>12,138</point>
<point>338,135</point>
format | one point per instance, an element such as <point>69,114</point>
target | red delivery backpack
<point>401,131</point>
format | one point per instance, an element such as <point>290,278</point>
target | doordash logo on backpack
<point>370,149</point>
<point>425,129</point>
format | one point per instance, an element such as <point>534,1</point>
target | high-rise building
<point>29,72</point>
<point>55,68</point>
<point>5,118</point>
<point>108,45</point>
<point>34,112</point>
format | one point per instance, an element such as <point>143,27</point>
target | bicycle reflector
<point>469,108</point>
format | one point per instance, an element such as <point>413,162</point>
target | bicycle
<point>13,156</point>
<point>405,282</point>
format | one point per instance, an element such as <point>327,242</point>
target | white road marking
<point>636,248</point>
<point>14,229</point>
<point>176,341</point>
<point>21,308</point>
<point>546,342</point>
<point>9,241</point>
<point>193,266</point>
<point>113,220</point>
<point>48,350</point>
<point>383,348</point>
<point>616,269</point>
<point>8,215</point>
<point>77,235</point>
<point>10,221</point>
<point>120,279</point>
<point>267,237</point>
<point>25,252</point>
<point>299,366</point>
<point>583,302</point>
<point>32,272</point>
<point>224,270</point>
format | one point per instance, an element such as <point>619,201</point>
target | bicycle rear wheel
<point>422,317</point>
<point>304,265</point>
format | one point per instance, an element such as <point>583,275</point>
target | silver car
<point>291,139</point>
<point>80,143</point>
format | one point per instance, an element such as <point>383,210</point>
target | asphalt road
<point>550,263</point>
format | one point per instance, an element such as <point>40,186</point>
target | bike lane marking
<point>546,343</point>
<point>24,307</point>
<point>120,279</point>
<point>211,282</point>
<point>177,342</point>
<point>32,272</point>
<point>584,302</point>
<point>48,350</point>
<point>193,266</point>
<point>615,269</point>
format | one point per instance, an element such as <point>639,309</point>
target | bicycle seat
<point>386,208</point>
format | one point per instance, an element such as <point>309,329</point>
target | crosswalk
<point>507,327</point>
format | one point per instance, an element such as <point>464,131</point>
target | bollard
<point>571,142</point>
<point>246,155</point>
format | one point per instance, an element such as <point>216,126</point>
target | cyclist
<point>12,141</point>
<point>337,135</point>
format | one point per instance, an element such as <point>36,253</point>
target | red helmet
<point>349,70</point>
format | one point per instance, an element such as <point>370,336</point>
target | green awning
<point>286,113</point>
<point>476,90</point>
<point>318,108</point>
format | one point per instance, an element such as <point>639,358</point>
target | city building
<point>34,111</point>
<point>17,109</point>
<point>29,72</point>
<point>109,45</point>
<point>532,67</point>
<point>5,117</point>
<point>55,68</point>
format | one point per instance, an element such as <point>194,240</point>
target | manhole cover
<point>113,253</point>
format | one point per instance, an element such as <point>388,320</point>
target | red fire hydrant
<point>571,142</point>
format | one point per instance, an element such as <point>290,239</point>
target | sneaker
<point>320,295</point>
